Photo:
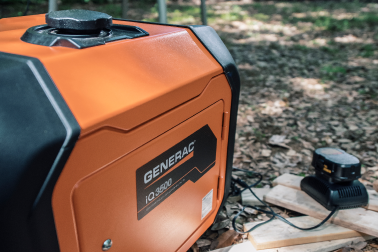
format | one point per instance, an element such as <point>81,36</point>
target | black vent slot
<point>320,187</point>
<point>349,207</point>
<point>353,191</point>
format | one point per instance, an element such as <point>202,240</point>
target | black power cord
<point>237,191</point>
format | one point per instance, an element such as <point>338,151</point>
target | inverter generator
<point>115,135</point>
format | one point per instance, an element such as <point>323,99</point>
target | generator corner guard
<point>115,134</point>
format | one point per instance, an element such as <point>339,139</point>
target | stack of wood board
<point>248,199</point>
<point>294,182</point>
<point>324,246</point>
<point>358,219</point>
<point>277,236</point>
<point>276,233</point>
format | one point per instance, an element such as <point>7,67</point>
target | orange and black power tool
<point>115,135</point>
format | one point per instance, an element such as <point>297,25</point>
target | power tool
<point>115,135</point>
<point>335,183</point>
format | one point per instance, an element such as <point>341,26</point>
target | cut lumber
<point>293,181</point>
<point>359,219</point>
<point>276,234</point>
<point>249,199</point>
<point>324,246</point>
<point>241,247</point>
<point>289,180</point>
<point>373,200</point>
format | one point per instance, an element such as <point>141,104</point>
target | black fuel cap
<point>79,20</point>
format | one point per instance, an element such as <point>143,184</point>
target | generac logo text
<point>169,162</point>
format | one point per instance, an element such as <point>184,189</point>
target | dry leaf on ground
<point>375,185</point>
<point>226,239</point>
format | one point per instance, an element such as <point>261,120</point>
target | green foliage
<point>111,9</point>
<point>330,72</point>
<point>296,138</point>
<point>261,17</point>
<point>362,91</point>
<point>184,14</point>
<point>70,2</point>
<point>334,69</point>
<point>300,48</point>
<point>367,50</point>
<point>181,14</point>
<point>259,185</point>
<point>332,24</point>
<point>250,174</point>
<point>265,9</point>
<point>302,174</point>
<point>235,13</point>
<point>259,135</point>
<point>272,177</point>
<point>21,1</point>
<point>329,50</point>
<point>191,14</point>
<point>372,93</point>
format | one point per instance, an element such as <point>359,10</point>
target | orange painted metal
<point>133,99</point>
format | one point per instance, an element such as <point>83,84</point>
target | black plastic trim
<point>212,42</point>
<point>49,36</point>
<point>210,39</point>
<point>37,134</point>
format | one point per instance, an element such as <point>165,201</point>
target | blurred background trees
<point>9,8</point>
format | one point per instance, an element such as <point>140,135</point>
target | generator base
<point>345,195</point>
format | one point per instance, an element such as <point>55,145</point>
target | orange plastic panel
<point>96,152</point>
<point>137,78</point>
<point>15,23</point>
<point>105,204</point>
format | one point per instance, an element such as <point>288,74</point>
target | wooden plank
<point>324,246</point>
<point>373,200</point>
<point>249,199</point>
<point>276,234</point>
<point>241,247</point>
<point>294,182</point>
<point>359,219</point>
<point>288,180</point>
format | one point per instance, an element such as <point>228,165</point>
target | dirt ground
<point>308,80</point>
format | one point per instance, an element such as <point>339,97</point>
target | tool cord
<point>236,191</point>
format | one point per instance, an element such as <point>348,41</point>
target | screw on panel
<point>107,245</point>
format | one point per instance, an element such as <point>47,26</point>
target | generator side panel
<point>163,190</point>
<point>103,189</point>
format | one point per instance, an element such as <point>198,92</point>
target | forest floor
<point>309,79</point>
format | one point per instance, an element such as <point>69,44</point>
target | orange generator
<point>115,134</point>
